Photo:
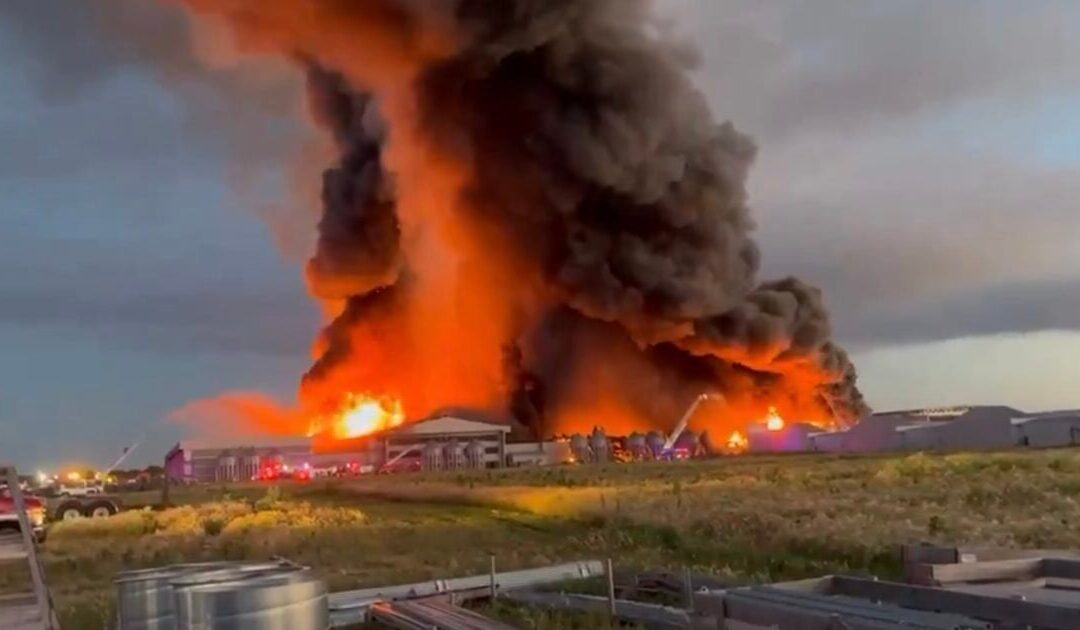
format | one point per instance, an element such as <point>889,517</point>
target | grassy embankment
<point>755,518</point>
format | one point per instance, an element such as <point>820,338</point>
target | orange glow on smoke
<point>774,422</point>
<point>235,414</point>
<point>614,415</point>
<point>360,415</point>
<point>441,342</point>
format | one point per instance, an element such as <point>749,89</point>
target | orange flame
<point>360,415</point>
<point>774,422</point>
<point>737,441</point>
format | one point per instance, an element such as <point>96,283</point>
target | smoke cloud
<point>533,211</point>
<point>236,414</point>
<point>358,244</point>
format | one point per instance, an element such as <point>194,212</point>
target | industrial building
<point>450,443</point>
<point>982,427</point>
<point>192,460</point>
<point>1058,428</point>
<point>440,443</point>
<point>792,437</point>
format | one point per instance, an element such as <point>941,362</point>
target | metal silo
<point>226,467</point>
<point>705,440</point>
<point>452,455</point>
<point>598,442</point>
<point>249,466</point>
<point>432,456</point>
<point>635,443</point>
<point>655,442</point>
<point>474,454</point>
<point>579,446</point>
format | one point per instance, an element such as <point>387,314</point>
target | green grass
<point>746,519</point>
<point>524,617</point>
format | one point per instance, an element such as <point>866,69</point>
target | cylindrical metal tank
<point>598,442</point>
<point>144,598</point>
<point>579,446</point>
<point>432,456</point>
<point>293,600</point>
<point>452,457</point>
<point>705,440</point>
<point>655,441</point>
<point>226,467</point>
<point>474,454</point>
<point>233,571</point>
<point>635,443</point>
<point>250,597</point>
<point>249,467</point>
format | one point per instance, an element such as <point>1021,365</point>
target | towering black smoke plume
<point>592,162</point>
<point>358,247</point>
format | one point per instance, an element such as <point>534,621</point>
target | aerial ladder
<point>681,426</point>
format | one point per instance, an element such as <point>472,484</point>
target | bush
<point>213,526</point>
<point>910,469</point>
<point>270,499</point>
<point>123,525</point>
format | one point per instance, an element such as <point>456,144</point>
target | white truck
<point>78,489</point>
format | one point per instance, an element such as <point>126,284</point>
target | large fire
<point>360,415</point>
<point>530,211</point>
<point>774,422</point>
<point>737,442</point>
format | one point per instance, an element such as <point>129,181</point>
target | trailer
<point>91,506</point>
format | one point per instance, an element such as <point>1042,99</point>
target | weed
<point>750,519</point>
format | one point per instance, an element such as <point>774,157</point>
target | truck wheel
<point>69,510</point>
<point>100,509</point>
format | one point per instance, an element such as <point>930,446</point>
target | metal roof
<point>245,442</point>
<point>448,425</point>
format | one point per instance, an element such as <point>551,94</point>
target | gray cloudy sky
<point>919,160</point>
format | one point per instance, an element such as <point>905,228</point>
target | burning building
<point>532,212</point>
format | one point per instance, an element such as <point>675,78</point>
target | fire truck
<point>9,518</point>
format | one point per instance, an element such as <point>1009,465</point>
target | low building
<point>242,460</point>
<point>440,443</point>
<point>982,427</point>
<point>1047,430</point>
<point>538,453</point>
<point>972,428</point>
<point>827,441</point>
<point>445,443</point>
<point>793,437</point>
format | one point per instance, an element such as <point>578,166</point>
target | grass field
<point>746,519</point>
